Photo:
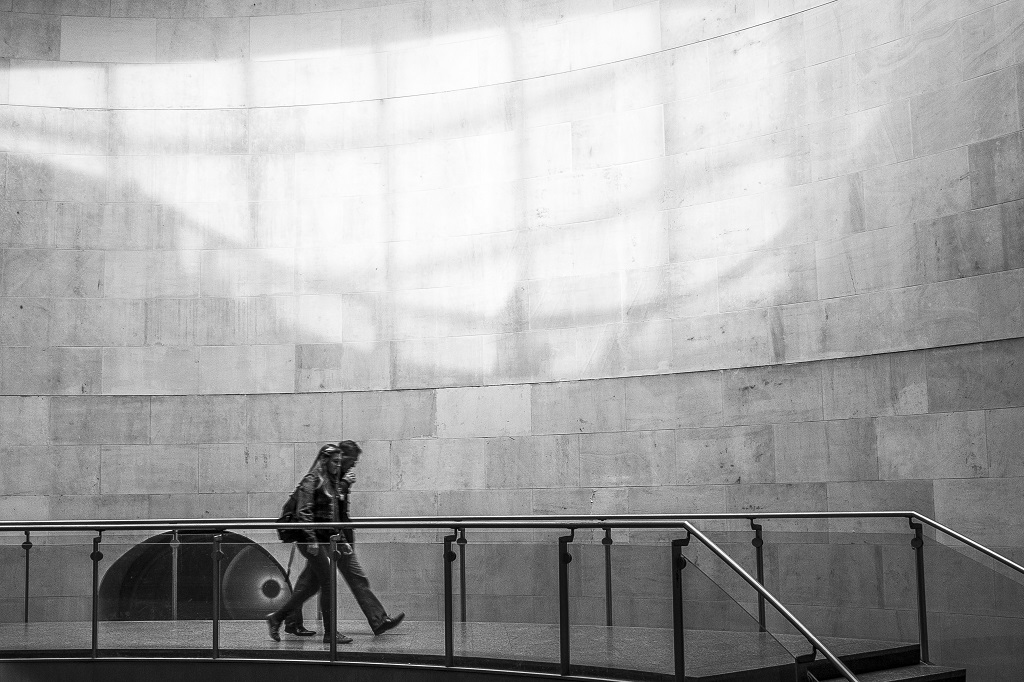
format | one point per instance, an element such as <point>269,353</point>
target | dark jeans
<point>317,576</point>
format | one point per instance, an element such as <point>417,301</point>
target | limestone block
<point>453,361</point>
<point>483,503</point>
<point>852,450</point>
<point>736,113</point>
<point>625,349</point>
<point>26,507</point>
<point>99,420</point>
<point>772,394</point>
<point>781,497</point>
<point>26,322</point>
<point>24,223</point>
<point>188,40</point>
<point>796,332</point>
<point>23,420</point>
<point>382,28</point>
<point>673,401</point>
<point>565,97</point>
<point>257,319</point>
<point>252,468</point>
<point>149,469</point>
<point>319,319</point>
<point>355,366</point>
<point>925,14</point>
<point>726,340</point>
<point>618,138</point>
<point>291,418</point>
<point>582,501</point>
<point>60,131</point>
<point>627,459</point>
<point>471,63</point>
<point>997,170</point>
<point>55,84</point>
<point>544,355</point>
<point>198,419</point>
<point>677,499</point>
<point>801,452</point>
<point>83,8</point>
<point>5,82</point>
<point>922,188</point>
<point>932,446</point>
<point>44,273</point>
<point>523,462</point>
<point>49,371</point>
<point>484,411</point>
<point>247,369</point>
<point>357,267</point>
<point>150,370</point>
<point>102,226</point>
<point>151,274</point>
<point>909,66</point>
<point>861,140</point>
<point>128,506</point>
<point>993,38</point>
<point>751,166</point>
<point>438,464</point>
<point>1002,308</point>
<point>103,39</point>
<point>827,574</point>
<point>587,195</point>
<point>97,322</point>
<point>182,85</point>
<point>767,278</point>
<point>757,52</point>
<point>201,506</point>
<point>976,110</point>
<point>973,377</point>
<point>294,36</point>
<point>874,22</point>
<point>1003,432</point>
<point>327,223</point>
<point>29,36</point>
<point>908,495</point>
<point>679,28</point>
<point>578,407</point>
<point>50,470</point>
<point>725,455</point>
<point>939,314</point>
<point>686,289</point>
<point>858,325</point>
<point>389,415</point>
<point>248,272</point>
<point>59,177</point>
<point>340,173</point>
<point>875,385</point>
<point>984,510</point>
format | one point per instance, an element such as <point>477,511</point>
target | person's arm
<point>304,508</point>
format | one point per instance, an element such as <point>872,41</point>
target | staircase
<point>888,665</point>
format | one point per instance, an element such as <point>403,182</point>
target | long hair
<point>318,468</point>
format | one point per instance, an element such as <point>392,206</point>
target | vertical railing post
<point>449,628</point>
<point>758,543</point>
<point>678,564</point>
<point>175,547</point>
<point>462,574</point>
<point>922,604</point>
<point>96,556</point>
<point>332,626</point>
<point>607,542</point>
<point>27,546</point>
<point>217,555</point>
<point>564,559</point>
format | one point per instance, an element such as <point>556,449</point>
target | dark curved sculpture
<point>160,579</point>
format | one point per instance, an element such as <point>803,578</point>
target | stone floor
<point>644,650</point>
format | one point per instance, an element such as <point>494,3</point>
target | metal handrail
<point>770,598</point>
<point>510,521</point>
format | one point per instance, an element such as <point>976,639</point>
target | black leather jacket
<point>319,498</point>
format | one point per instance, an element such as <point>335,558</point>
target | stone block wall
<point>583,257</point>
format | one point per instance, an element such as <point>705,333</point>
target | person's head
<point>330,459</point>
<point>350,452</point>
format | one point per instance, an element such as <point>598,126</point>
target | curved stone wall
<point>580,256</point>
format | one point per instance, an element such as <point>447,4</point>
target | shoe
<point>341,639</point>
<point>298,630</point>
<point>388,623</point>
<point>273,627</point>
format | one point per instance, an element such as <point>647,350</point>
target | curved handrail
<point>770,598</point>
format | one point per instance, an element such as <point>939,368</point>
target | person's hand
<point>314,549</point>
<point>349,477</point>
<point>346,548</point>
